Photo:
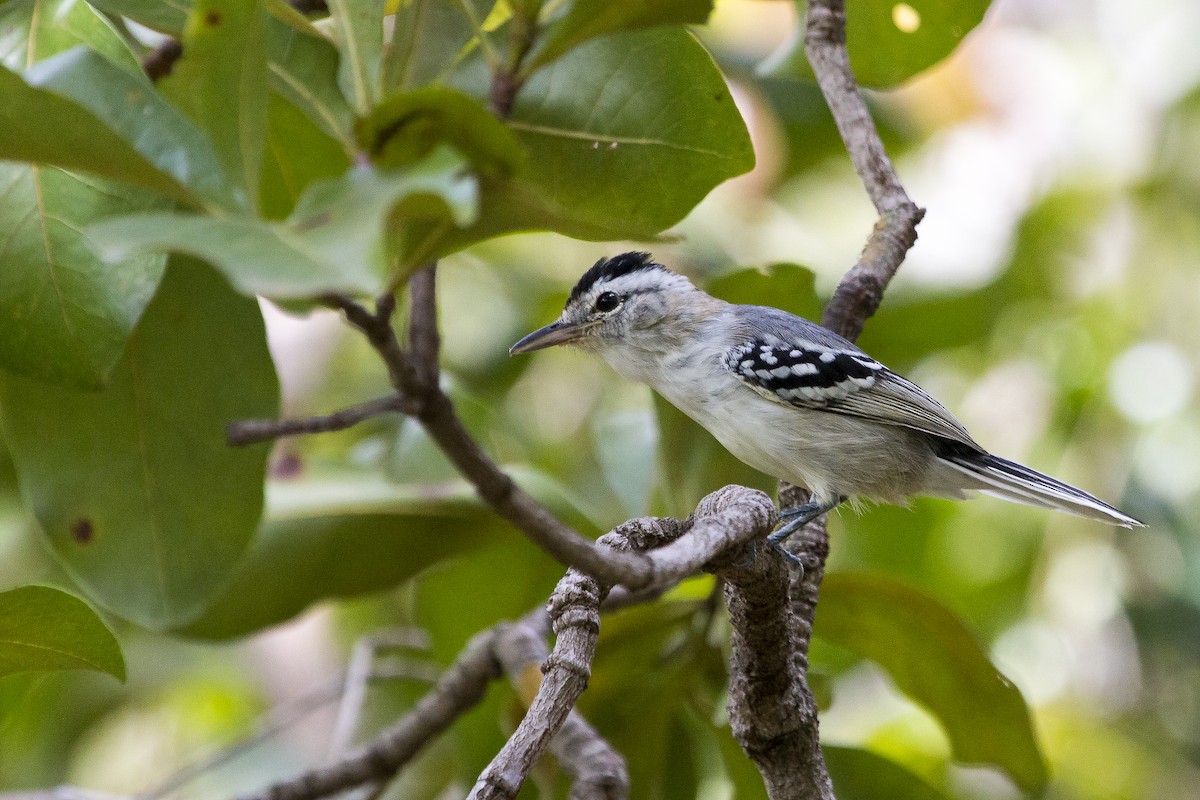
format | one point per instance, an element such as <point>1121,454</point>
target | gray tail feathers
<point>1009,480</point>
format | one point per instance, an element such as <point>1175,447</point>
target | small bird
<point>789,397</point>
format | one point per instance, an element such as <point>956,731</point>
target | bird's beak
<point>555,333</point>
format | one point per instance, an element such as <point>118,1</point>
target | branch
<point>861,290</point>
<point>460,688</point>
<point>597,770</point>
<point>729,517</point>
<point>416,382</point>
<point>772,712</point>
<point>250,431</point>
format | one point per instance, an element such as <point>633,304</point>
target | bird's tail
<point>1009,480</point>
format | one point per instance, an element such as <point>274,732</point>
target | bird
<point>790,398</point>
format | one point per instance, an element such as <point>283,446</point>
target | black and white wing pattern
<point>839,379</point>
<point>806,375</point>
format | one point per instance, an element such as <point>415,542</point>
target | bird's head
<point>627,301</point>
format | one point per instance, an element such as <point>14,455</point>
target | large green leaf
<point>934,659</point>
<point>408,125</point>
<point>360,40</point>
<point>341,537</point>
<point>624,136</point>
<point>862,775</point>
<point>220,82</point>
<point>78,110</point>
<point>298,153</point>
<point>429,38</point>
<point>165,16</point>
<point>31,30</point>
<point>135,487</point>
<point>303,69</point>
<point>334,240</point>
<point>889,42</point>
<point>64,314</point>
<point>47,629</point>
<point>579,20</point>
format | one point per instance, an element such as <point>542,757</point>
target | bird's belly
<point>831,454</point>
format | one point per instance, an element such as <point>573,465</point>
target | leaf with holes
<point>936,661</point>
<point>135,487</point>
<point>45,629</point>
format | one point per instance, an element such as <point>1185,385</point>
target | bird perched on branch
<point>789,397</point>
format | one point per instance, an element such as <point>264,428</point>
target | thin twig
<point>459,689</point>
<point>250,431</point>
<point>433,409</point>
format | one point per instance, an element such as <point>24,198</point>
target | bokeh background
<point>1052,302</point>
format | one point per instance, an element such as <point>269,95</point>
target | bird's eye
<point>607,301</point>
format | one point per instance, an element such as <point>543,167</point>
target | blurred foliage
<point>1053,302</point>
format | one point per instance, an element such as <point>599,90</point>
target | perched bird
<point>789,397</point>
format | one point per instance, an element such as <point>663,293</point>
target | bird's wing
<point>836,376</point>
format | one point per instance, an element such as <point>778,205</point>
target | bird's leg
<point>795,519</point>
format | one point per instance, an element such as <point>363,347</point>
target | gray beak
<point>555,333</point>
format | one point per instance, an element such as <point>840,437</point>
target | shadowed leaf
<point>47,629</point>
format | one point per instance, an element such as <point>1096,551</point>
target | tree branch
<point>730,516</point>
<point>460,687</point>
<point>250,431</point>
<point>861,290</point>
<point>771,708</point>
<point>597,770</point>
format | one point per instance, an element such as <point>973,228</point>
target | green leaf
<point>36,29</point>
<point>84,100</point>
<point>888,42</point>
<point>340,537</point>
<point>936,661</point>
<point>863,775</point>
<point>408,125</point>
<point>430,38</point>
<point>303,69</point>
<point>334,241</point>
<point>580,20</point>
<point>220,82</point>
<point>65,315</point>
<point>47,629</point>
<point>164,16</point>
<point>298,153</point>
<point>788,286</point>
<point>359,34</point>
<point>623,136</point>
<point>137,491</point>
